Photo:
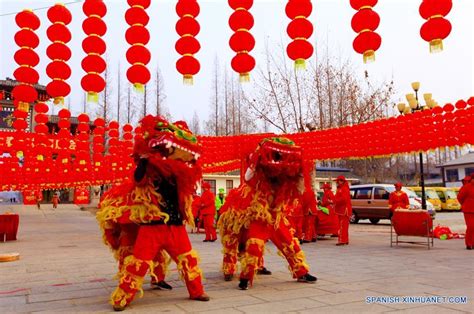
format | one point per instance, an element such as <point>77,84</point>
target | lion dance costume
<point>144,217</point>
<point>256,212</point>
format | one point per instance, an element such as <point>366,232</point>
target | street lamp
<point>413,106</point>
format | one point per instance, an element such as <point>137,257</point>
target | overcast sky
<point>403,56</point>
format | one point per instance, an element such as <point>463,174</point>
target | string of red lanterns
<point>187,45</point>
<point>365,22</point>
<point>299,30</point>
<point>436,28</point>
<point>94,47</point>
<point>24,93</point>
<point>59,53</point>
<point>242,42</point>
<point>137,37</point>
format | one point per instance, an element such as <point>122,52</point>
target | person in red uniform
<point>398,198</point>
<point>55,200</point>
<point>196,206</point>
<point>466,198</point>
<point>207,212</point>
<point>343,208</point>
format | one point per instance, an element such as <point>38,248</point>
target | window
<point>212,183</point>
<point>364,194</point>
<point>469,171</point>
<point>380,194</point>
<point>452,175</point>
<point>229,185</point>
<point>353,192</point>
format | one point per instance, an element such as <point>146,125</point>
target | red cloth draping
<point>9,227</point>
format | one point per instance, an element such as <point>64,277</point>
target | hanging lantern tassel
<point>139,88</point>
<point>244,77</point>
<point>92,97</point>
<point>369,56</point>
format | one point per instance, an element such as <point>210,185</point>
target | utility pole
<point>128,105</point>
<point>118,95</point>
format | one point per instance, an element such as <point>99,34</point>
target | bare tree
<point>103,109</point>
<point>195,124</point>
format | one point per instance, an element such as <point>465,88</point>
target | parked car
<point>370,201</point>
<point>448,198</point>
<point>431,196</point>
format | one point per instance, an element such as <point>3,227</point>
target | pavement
<point>65,267</point>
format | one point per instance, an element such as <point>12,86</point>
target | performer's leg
<point>230,248</point>
<point>291,250</point>
<point>213,231</point>
<point>160,268</point>
<point>258,234</point>
<point>309,232</point>
<point>179,248</point>
<point>343,229</point>
<point>208,221</point>
<point>469,239</point>
<point>136,266</point>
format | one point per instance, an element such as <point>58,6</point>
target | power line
<point>42,8</point>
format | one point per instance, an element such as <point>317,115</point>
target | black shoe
<point>228,277</point>
<point>469,247</point>
<point>263,271</point>
<point>119,308</point>
<point>162,285</point>
<point>314,240</point>
<point>206,240</point>
<point>244,284</point>
<point>307,278</point>
<point>213,240</point>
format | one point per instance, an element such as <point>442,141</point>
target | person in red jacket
<point>398,198</point>
<point>343,208</point>
<point>466,198</point>
<point>55,200</point>
<point>207,212</point>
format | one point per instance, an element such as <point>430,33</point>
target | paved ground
<point>64,267</point>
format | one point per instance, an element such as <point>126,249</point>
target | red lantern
<point>187,28</point>
<point>58,52</point>
<point>138,36</point>
<point>242,41</point>
<point>24,93</point>
<point>365,22</point>
<point>94,47</point>
<point>436,28</point>
<point>299,30</point>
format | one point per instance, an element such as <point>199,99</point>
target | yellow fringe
<point>162,262</point>
<point>297,259</point>
<point>183,266</point>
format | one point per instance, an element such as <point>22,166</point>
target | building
<point>226,181</point>
<point>455,170</point>
<point>7,107</point>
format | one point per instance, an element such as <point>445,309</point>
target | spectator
<point>466,198</point>
<point>220,199</point>
<point>208,212</point>
<point>343,208</point>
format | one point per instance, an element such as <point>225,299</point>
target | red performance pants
<point>469,218</point>
<point>343,229</point>
<point>150,240</point>
<point>309,227</point>
<point>260,232</point>
<point>297,224</point>
<point>209,227</point>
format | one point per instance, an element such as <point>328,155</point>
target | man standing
<point>398,198</point>
<point>343,208</point>
<point>207,212</point>
<point>220,199</point>
<point>466,198</point>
